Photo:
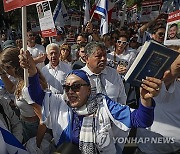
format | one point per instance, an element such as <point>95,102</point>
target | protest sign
<point>172,35</point>
<point>45,19</point>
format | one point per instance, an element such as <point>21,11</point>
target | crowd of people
<point>77,94</point>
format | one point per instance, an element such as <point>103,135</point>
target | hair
<point>84,35</point>
<point>126,36</point>
<point>10,56</point>
<point>65,46</point>
<point>174,25</point>
<point>91,47</point>
<point>52,45</point>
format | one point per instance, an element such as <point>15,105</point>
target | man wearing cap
<point>8,44</point>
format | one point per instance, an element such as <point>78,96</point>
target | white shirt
<point>166,121</point>
<point>126,57</point>
<point>56,77</point>
<point>112,83</point>
<point>35,52</point>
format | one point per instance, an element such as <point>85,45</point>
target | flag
<point>9,143</point>
<point>102,9</point>
<point>60,14</point>
<point>110,10</point>
<point>86,11</point>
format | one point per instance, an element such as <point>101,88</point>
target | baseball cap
<point>9,44</point>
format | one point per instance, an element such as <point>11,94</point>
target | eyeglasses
<point>74,87</point>
<point>123,42</point>
<point>161,34</point>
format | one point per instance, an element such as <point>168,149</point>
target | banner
<point>45,19</point>
<point>14,4</point>
<point>149,10</point>
<point>172,35</point>
<point>132,14</point>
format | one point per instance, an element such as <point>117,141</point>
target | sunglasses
<point>74,87</point>
<point>161,34</point>
<point>123,42</point>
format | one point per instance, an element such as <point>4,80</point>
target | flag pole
<point>94,12</point>
<point>24,40</point>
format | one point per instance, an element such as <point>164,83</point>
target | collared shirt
<point>55,77</point>
<point>112,83</point>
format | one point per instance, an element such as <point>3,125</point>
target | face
<point>53,56</point>
<point>96,62</point>
<point>82,53</point>
<point>121,45</point>
<point>159,35</point>
<point>30,37</point>
<point>172,32</point>
<point>65,52</point>
<point>107,42</point>
<point>80,39</point>
<point>79,91</point>
<point>133,43</point>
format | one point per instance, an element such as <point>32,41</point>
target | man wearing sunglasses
<point>89,120</point>
<point>121,54</point>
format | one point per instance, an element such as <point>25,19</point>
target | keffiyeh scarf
<point>87,132</point>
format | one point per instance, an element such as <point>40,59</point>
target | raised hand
<point>150,88</point>
<point>27,62</point>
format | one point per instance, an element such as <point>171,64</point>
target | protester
<point>37,51</point>
<point>162,137</point>
<point>10,119</point>
<point>65,53</point>
<point>121,58</point>
<point>28,109</point>
<point>81,62</point>
<point>55,71</point>
<point>106,79</point>
<point>86,114</point>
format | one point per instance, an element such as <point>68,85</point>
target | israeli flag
<point>8,142</point>
<point>60,15</point>
<point>102,9</point>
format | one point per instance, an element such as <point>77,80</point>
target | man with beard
<point>81,62</point>
<point>56,71</point>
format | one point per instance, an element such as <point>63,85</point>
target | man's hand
<point>150,88</point>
